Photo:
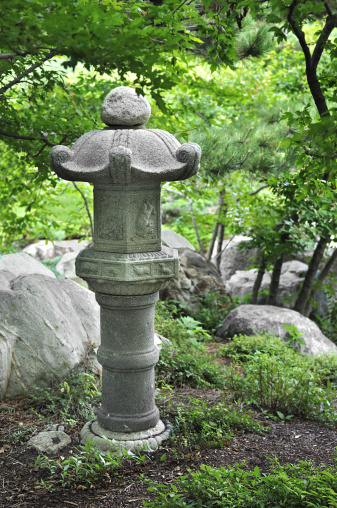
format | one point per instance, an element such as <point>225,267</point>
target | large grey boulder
<point>23,264</point>
<point>292,275</point>
<point>234,258</point>
<point>49,250</point>
<point>196,276</point>
<point>253,319</point>
<point>47,326</point>
<point>175,240</point>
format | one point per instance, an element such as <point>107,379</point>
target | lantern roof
<point>125,151</point>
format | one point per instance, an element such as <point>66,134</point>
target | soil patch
<point>20,485</point>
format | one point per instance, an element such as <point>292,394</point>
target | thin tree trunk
<point>221,234</point>
<point>258,282</point>
<point>303,296</point>
<point>275,281</point>
<point>212,242</point>
<point>320,280</point>
<point>195,225</point>
<point>87,208</point>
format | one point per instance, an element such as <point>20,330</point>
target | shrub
<point>197,423</point>
<point>213,307</point>
<point>277,377</point>
<point>188,366</point>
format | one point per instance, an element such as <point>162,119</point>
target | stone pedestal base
<point>120,443</point>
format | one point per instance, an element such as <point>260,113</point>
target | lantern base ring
<point>121,443</point>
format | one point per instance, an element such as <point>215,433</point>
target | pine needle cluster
<point>255,147</point>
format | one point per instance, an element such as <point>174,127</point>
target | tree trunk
<point>221,228</point>
<point>275,281</point>
<point>303,296</point>
<point>195,225</point>
<point>221,234</point>
<point>212,242</point>
<point>258,282</point>
<point>320,280</point>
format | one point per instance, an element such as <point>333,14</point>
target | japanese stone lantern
<point>126,265</point>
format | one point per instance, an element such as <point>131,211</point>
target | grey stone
<point>127,264</point>
<point>48,250</point>
<point>234,258</point>
<point>50,442</point>
<point>253,319</point>
<point>196,276</point>
<point>122,106</point>
<point>175,241</point>
<point>160,340</point>
<point>23,264</point>
<point>46,328</point>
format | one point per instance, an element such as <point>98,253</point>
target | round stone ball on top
<point>122,106</point>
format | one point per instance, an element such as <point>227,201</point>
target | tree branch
<point>28,138</point>
<point>259,189</point>
<point>317,155</point>
<point>298,32</point>
<point>327,8</point>
<point>27,71</point>
<point>330,24</point>
<point>8,56</point>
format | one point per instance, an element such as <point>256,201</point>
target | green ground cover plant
<point>73,398</point>
<point>85,466</point>
<point>292,486</point>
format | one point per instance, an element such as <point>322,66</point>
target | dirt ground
<point>20,485</point>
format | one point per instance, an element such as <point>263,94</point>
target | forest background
<point>254,83</point>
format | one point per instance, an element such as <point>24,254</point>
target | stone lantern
<point>126,265</point>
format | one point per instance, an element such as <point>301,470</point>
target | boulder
<point>196,276</point>
<point>66,267</point>
<point>292,275</point>
<point>253,319</point>
<point>175,241</point>
<point>241,284</point>
<point>234,258</point>
<point>48,250</point>
<point>47,326</point>
<point>23,264</point>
